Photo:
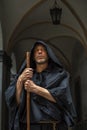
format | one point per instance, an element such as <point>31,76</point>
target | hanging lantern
<point>56,13</point>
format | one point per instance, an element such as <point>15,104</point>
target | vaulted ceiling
<point>24,22</point>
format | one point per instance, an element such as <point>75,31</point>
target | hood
<point>51,54</point>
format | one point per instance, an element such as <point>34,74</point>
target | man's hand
<point>26,74</point>
<point>30,86</point>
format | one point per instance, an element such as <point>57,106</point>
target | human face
<point>40,54</point>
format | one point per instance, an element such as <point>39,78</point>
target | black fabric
<point>40,126</point>
<point>56,80</point>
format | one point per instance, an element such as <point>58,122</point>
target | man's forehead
<point>39,45</point>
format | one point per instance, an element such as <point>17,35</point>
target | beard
<point>41,61</point>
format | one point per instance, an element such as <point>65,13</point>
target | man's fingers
<point>27,83</point>
<point>28,70</point>
<point>27,86</point>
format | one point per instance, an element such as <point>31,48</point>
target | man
<point>48,83</point>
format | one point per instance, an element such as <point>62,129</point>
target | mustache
<point>40,57</point>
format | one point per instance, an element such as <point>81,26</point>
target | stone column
<point>5,65</point>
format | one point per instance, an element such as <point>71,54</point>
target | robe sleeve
<point>61,93</point>
<point>12,104</point>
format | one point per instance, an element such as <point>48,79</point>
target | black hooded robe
<point>56,80</point>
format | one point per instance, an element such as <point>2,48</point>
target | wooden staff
<point>28,94</point>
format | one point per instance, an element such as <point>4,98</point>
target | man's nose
<point>40,51</point>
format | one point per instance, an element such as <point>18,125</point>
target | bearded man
<point>48,84</point>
